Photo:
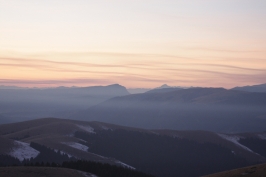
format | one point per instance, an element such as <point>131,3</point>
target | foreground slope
<point>158,152</point>
<point>57,134</point>
<point>211,109</point>
<point>41,172</point>
<point>251,171</point>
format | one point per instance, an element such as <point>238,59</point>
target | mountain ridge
<point>212,109</point>
<point>23,104</point>
<point>252,88</point>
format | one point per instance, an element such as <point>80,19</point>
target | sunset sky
<point>136,43</point>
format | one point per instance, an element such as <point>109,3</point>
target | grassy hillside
<point>6,144</point>
<point>158,152</point>
<point>251,171</point>
<point>40,172</point>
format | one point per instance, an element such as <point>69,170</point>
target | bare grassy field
<point>39,172</point>
<point>252,171</point>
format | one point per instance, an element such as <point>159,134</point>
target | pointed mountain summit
<point>163,86</point>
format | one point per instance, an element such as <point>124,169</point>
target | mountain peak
<point>115,85</point>
<point>163,86</point>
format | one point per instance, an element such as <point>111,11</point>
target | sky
<point>135,43</point>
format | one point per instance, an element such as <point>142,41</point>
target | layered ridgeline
<point>18,104</point>
<point>253,88</point>
<point>157,152</point>
<point>212,109</point>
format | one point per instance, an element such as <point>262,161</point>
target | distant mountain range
<point>159,152</point>
<point>137,90</point>
<point>212,109</point>
<point>164,88</point>
<point>143,90</point>
<point>253,88</point>
<point>12,87</point>
<point>21,104</point>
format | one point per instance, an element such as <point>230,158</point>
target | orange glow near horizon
<point>140,70</point>
<point>138,44</point>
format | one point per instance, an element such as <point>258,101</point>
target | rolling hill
<point>158,152</point>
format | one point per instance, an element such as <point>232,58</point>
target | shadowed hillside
<point>159,152</point>
<point>251,171</point>
<point>41,172</point>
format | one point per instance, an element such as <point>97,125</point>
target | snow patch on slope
<point>98,155</point>
<point>262,136</point>
<point>77,146</point>
<point>234,139</point>
<point>86,128</point>
<point>23,151</point>
<point>154,132</point>
<point>64,153</point>
<point>85,174</point>
<point>71,134</point>
<point>105,128</point>
<point>125,165</point>
<point>177,136</point>
<point>81,140</point>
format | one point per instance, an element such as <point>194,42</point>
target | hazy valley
<point>166,131</point>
